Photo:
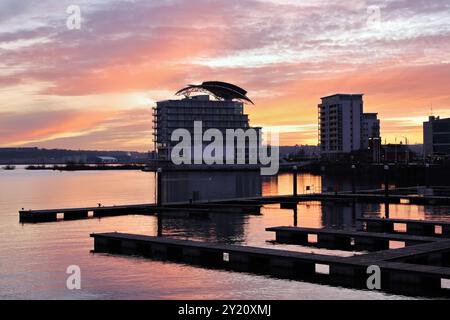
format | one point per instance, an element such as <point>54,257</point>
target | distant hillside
<point>61,156</point>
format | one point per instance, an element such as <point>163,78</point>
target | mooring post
<point>386,180</point>
<point>159,187</point>
<point>353,179</point>
<point>295,190</point>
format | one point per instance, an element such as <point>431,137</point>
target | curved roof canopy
<point>220,90</point>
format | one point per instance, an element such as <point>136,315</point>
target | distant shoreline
<point>85,167</point>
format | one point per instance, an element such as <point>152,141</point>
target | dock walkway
<point>413,227</point>
<point>398,277</point>
<point>249,205</point>
<point>344,239</point>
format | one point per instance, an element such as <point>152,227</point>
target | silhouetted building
<point>395,153</point>
<point>375,149</point>
<point>436,136</point>
<point>370,129</point>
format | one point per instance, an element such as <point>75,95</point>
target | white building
<point>343,125</point>
<point>340,123</point>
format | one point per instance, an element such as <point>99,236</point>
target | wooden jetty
<point>397,276</point>
<point>345,240</point>
<point>413,227</point>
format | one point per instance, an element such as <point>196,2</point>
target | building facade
<point>224,112</point>
<point>340,120</point>
<point>344,127</point>
<point>436,136</point>
<point>370,129</point>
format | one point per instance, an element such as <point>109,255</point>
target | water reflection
<point>34,258</point>
<point>283,184</point>
<point>207,186</point>
<point>332,183</point>
<point>234,227</point>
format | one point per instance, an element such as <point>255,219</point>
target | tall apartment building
<point>224,112</point>
<point>436,136</point>
<point>340,118</point>
<point>343,127</point>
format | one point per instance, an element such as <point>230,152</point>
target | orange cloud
<point>20,129</point>
<point>283,53</point>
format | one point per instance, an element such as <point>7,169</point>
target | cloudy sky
<point>93,88</point>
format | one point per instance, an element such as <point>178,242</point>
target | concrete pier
<point>397,277</point>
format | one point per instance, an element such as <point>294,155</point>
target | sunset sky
<point>94,88</point>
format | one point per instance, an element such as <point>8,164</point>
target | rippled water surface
<point>34,257</point>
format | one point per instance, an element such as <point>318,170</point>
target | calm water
<point>34,258</point>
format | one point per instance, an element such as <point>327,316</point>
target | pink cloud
<point>287,56</point>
